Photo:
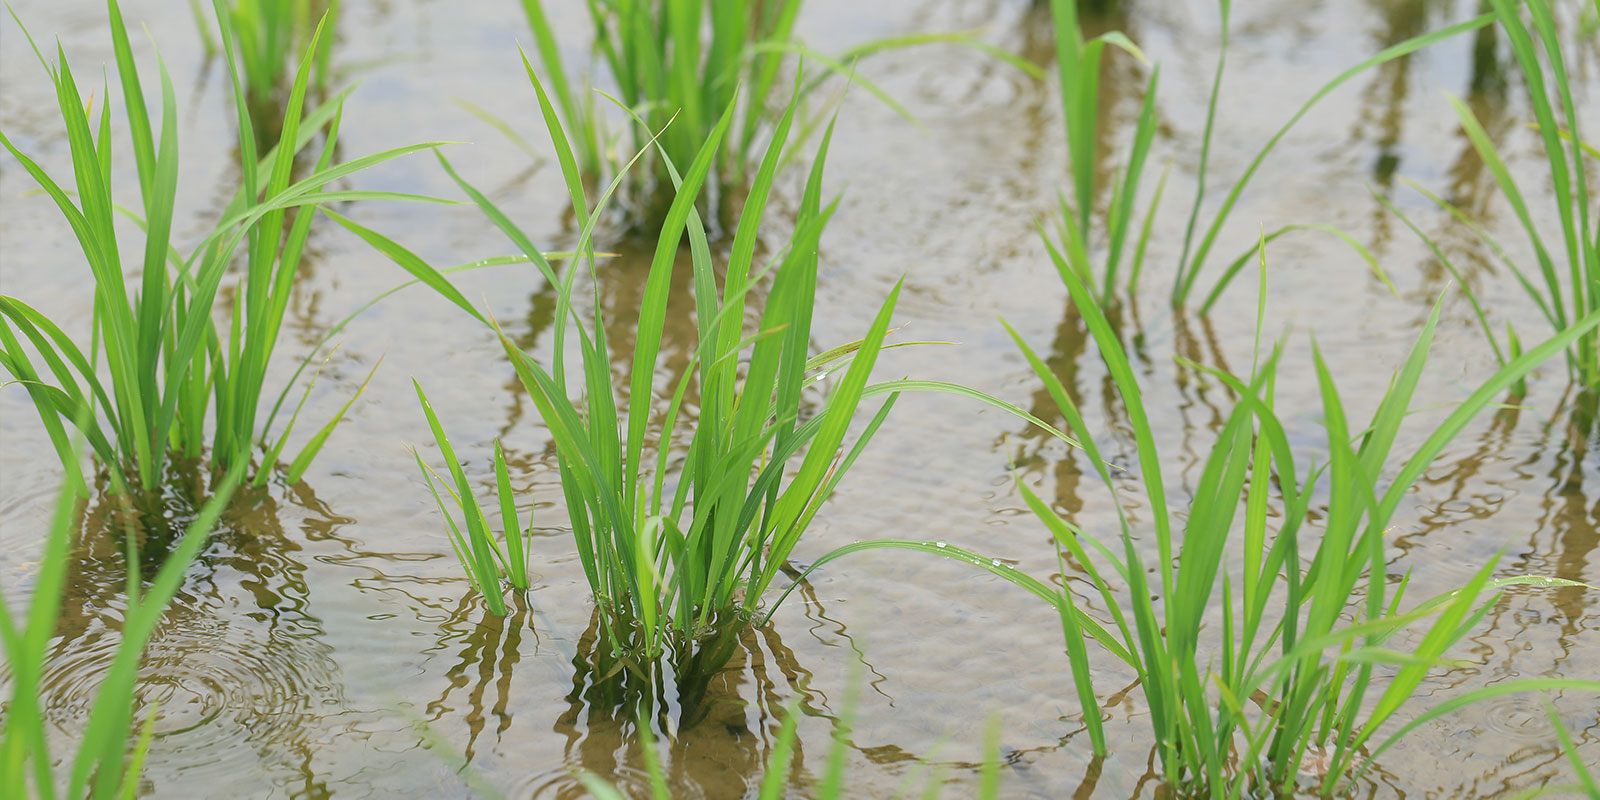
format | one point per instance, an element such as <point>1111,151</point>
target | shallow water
<point>328,624</point>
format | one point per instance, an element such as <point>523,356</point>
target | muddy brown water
<point>328,623</point>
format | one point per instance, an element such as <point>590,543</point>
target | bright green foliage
<point>173,368</point>
<point>270,31</point>
<point>1564,293</point>
<point>678,569</point>
<point>105,765</point>
<point>1079,63</point>
<point>677,61</point>
<point>484,558</point>
<point>667,68</point>
<point>669,564</point>
<point>683,62</point>
<point>1290,671</point>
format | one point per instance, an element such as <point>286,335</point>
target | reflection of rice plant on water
<point>832,785</point>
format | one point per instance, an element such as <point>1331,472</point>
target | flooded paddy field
<point>325,641</point>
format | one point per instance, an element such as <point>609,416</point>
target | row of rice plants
<point>1297,682</point>
<point>677,570</point>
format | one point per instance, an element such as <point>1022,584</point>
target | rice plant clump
<point>682,61</point>
<point>679,566</point>
<point>162,376</point>
<point>1314,653</point>
<point>679,545</point>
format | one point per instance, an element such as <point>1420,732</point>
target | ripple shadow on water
<point>238,671</point>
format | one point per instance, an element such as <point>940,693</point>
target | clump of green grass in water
<point>679,570</point>
<point>108,759</point>
<point>160,369</point>
<point>1286,690</point>
<point>1079,64</point>
<point>1564,293</point>
<point>686,60</point>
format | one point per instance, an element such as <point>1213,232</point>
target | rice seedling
<point>1565,293</point>
<point>686,60</point>
<point>161,375</point>
<point>1314,655</point>
<point>677,570</point>
<point>107,761</point>
<point>484,558</point>
<point>679,567</point>
<point>1079,61</point>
